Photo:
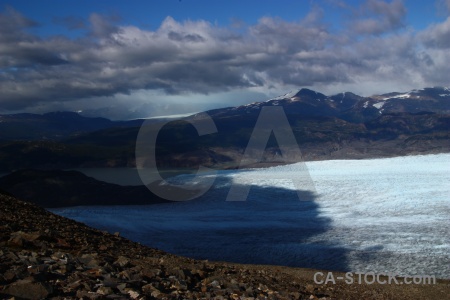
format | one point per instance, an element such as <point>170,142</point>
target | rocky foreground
<point>45,256</point>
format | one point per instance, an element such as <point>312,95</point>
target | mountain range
<point>304,102</point>
<point>351,107</point>
<point>326,127</point>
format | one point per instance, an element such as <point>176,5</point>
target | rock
<point>12,256</point>
<point>88,295</point>
<point>9,276</point>
<point>74,285</point>
<point>122,261</point>
<point>309,288</point>
<point>63,243</point>
<point>27,289</point>
<point>155,293</point>
<point>150,274</point>
<point>133,294</point>
<point>89,260</point>
<point>215,284</point>
<point>37,269</point>
<point>121,287</point>
<point>104,290</point>
<point>178,273</point>
<point>125,275</point>
<point>16,241</point>
<point>109,281</point>
<point>57,256</point>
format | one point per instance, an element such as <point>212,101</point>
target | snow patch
<point>252,105</point>
<point>289,95</point>
<point>177,116</point>
<point>401,96</point>
<point>379,104</point>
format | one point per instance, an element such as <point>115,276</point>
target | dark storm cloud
<point>437,35</point>
<point>198,57</point>
<point>19,49</point>
<point>377,17</point>
<point>188,37</point>
<point>11,25</point>
<point>27,54</point>
<point>102,26</point>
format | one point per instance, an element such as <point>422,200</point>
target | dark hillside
<point>71,188</point>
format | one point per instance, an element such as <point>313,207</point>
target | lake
<point>381,215</point>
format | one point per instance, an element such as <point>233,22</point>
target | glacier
<point>379,215</point>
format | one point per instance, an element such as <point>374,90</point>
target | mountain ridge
<point>341,126</point>
<point>349,106</point>
<point>346,105</point>
<point>57,188</point>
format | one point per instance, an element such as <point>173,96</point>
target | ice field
<point>380,215</point>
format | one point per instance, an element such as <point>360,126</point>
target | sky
<point>137,58</point>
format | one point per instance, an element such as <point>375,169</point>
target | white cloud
<point>186,60</point>
<point>437,35</point>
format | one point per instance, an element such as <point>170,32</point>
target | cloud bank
<point>374,51</point>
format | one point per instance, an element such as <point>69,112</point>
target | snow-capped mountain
<point>349,106</point>
<point>344,125</point>
<point>436,99</point>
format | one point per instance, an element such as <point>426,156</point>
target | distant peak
<point>291,94</point>
<point>305,90</point>
<point>442,88</point>
<point>309,93</point>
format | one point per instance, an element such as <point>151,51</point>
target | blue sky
<point>150,14</point>
<point>126,59</point>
